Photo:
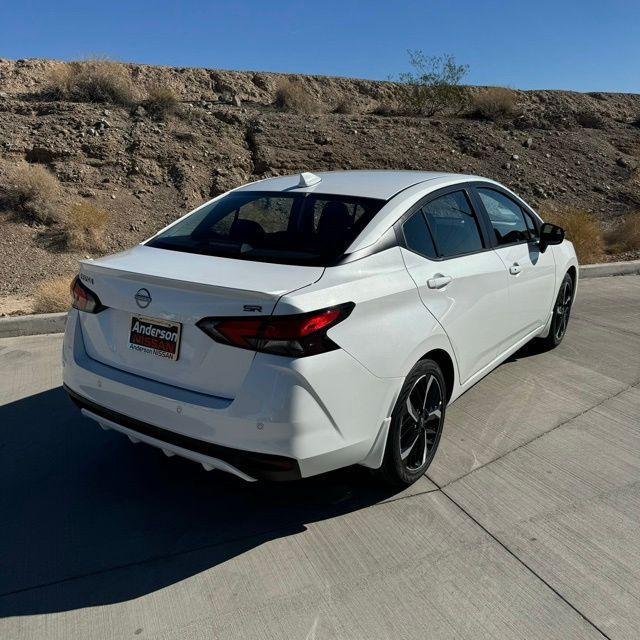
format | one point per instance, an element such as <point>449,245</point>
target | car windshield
<point>288,228</point>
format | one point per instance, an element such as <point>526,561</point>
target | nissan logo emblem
<point>143,298</point>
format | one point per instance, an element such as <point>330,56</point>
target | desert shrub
<point>433,86</point>
<point>32,191</point>
<point>294,97</point>
<point>91,81</point>
<point>85,226</point>
<point>496,103</point>
<point>385,109</point>
<point>582,229</point>
<point>52,296</point>
<point>624,237</point>
<point>636,121</point>
<point>345,106</point>
<point>589,119</point>
<point>161,102</point>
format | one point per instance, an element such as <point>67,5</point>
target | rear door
<point>531,273</point>
<point>461,281</point>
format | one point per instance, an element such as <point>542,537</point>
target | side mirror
<point>550,234</point>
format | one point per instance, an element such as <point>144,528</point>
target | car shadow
<point>77,502</point>
<point>534,347</point>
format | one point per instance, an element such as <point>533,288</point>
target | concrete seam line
<point>605,326</point>
<point>540,435</point>
<point>526,566</point>
<point>175,554</point>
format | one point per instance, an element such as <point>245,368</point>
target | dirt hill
<point>558,149</point>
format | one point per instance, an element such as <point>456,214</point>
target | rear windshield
<point>289,228</point>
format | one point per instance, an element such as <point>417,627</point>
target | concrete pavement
<point>527,526</point>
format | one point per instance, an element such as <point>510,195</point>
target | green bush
<point>433,86</point>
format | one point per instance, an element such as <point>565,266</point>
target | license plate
<point>155,337</point>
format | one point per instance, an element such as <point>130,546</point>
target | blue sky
<point>581,45</point>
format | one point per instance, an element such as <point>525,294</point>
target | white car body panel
<point>457,306</point>
<point>328,410</point>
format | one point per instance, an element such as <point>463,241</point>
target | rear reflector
<point>84,299</point>
<point>296,336</point>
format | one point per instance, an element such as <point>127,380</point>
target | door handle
<point>438,281</point>
<point>515,269</point>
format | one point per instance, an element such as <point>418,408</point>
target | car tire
<point>561,313</point>
<point>416,426</point>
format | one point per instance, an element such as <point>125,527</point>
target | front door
<point>531,273</point>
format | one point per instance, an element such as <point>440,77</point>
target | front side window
<point>507,218</point>
<point>453,225</point>
<point>288,228</point>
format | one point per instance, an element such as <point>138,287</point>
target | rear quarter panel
<point>389,329</point>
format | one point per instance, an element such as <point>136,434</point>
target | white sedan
<point>300,324</point>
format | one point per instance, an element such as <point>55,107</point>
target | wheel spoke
<point>426,393</point>
<point>404,454</point>
<point>411,407</point>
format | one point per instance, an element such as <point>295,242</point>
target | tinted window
<point>417,235</point>
<point>533,232</point>
<point>290,228</point>
<point>507,218</point>
<point>453,225</point>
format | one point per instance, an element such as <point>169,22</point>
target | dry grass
<point>292,96</point>
<point>85,227</point>
<point>32,191</point>
<point>345,106</point>
<point>52,296</point>
<point>625,237</point>
<point>91,81</point>
<point>494,104</point>
<point>162,102</point>
<point>589,119</point>
<point>582,229</point>
<point>386,109</point>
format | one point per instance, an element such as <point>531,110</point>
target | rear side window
<point>418,237</point>
<point>288,228</point>
<point>509,222</point>
<point>453,225</point>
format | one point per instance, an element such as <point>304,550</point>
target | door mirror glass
<point>550,234</point>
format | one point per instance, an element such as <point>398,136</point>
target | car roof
<point>381,184</point>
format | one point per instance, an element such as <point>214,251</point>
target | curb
<point>632,267</point>
<point>32,325</point>
<point>54,322</point>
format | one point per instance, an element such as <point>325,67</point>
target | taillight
<point>84,299</point>
<point>296,336</point>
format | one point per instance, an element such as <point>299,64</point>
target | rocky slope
<point>147,172</point>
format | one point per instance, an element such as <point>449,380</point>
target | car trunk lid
<point>173,288</point>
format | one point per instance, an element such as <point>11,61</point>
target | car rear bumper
<point>290,419</point>
<point>248,465</point>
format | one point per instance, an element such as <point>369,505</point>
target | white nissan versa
<point>300,324</point>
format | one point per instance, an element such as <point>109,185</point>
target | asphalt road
<point>528,525</point>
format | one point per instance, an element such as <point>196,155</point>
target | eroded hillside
<point>145,172</point>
